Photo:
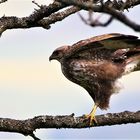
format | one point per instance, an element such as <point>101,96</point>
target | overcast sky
<point>30,85</point>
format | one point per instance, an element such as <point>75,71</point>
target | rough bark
<point>44,16</point>
<point>27,127</point>
<point>2,1</point>
<point>111,8</point>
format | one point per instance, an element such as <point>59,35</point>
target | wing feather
<point>110,42</point>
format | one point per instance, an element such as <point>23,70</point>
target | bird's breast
<point>91,70</point>
<point>79,70</point>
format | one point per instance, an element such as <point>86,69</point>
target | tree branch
<point>2,1</point>
<point>44,11</point>
<point>46,15</point>
<point>30,21</point>
<point>37,18</point>
<point>110,8</point>
<point>53,18</point>
<point>96,21</point>
<point>98,8</point>
<point>27,127</point>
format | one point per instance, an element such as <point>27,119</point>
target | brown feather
<point>98,62</point>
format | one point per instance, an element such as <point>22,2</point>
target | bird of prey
<point>97,63</point>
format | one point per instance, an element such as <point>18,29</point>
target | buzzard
<point>97,63</point>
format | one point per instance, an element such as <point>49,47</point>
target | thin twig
<point>34,137</point>
<point>36,4</point>
<point>95,22</point>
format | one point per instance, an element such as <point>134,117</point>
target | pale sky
<point>30,85</point>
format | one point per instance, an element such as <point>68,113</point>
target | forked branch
<point>111,8</point>
<point>45,15</point>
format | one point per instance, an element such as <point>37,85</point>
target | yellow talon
<point>91,116</point>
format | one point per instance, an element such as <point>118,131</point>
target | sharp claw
<point>91,119</point>
<point>91,116</point>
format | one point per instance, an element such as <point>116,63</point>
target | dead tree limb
<point>43,17</point>
<point>27,127</point>
<point>47,15</point>
<point>53,18</point>
<point>97,8</point>
<point>116,11</point>
<point>14,22</point>
<point>2,1</point>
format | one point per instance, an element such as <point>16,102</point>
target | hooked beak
<point>50,58</point>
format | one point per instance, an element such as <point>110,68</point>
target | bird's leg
<point>91,116</point>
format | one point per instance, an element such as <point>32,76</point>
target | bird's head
<point>59,53</point>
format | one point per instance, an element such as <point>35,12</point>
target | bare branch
<point>45,23</point>
<point>98,8</point>
<point>31,21</point>
<point>44,11</point>
<point>37,19</point>
<point>109,9</point>
<point>27,127</point>
<point>95,22</point>
<point>34,137</point>
<point>36,4</point>
<point>46,15</point>
<point>2,1</point>
<point>123,18</point>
